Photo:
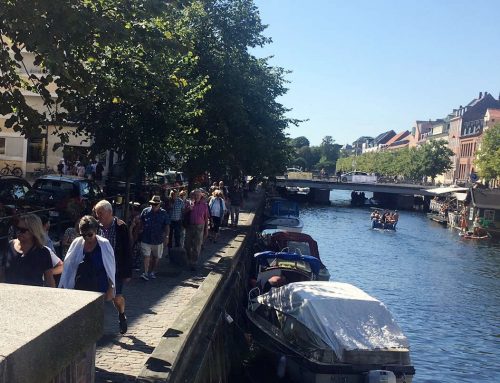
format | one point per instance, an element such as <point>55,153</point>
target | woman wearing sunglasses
<point>28,261</point>
<point>90,261</point>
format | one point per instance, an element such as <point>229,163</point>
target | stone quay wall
<point>197,346</point>
<point>48,335</point>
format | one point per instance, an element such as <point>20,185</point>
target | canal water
<point>443,291</point>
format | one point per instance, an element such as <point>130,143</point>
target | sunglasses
<point>21,230</point>
<point>88,235</point>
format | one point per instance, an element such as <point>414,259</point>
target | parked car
<point>12,200</point>
<point>13,191</point>
<point>66,194</point>
<point>357,176</point>
<point>169,179</point>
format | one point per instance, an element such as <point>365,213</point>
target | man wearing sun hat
<point>156,228</point>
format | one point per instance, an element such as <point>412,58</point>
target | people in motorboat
<point>387,218</point>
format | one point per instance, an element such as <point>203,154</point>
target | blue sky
<point>364,67</point>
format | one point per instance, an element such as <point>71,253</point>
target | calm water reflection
<point>443,291</point>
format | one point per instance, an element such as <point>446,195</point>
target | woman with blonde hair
<point>28,261</point>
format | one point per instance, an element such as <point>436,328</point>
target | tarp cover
<point>343,316</point>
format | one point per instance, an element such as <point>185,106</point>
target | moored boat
<point>330,332</point>
<point>282,215</point>
<point>442,219</point>
<point>299,243</point>
<point>280,207</point>
<point>470,235</point>
<point>284,223</point>
<point>271,269</point>
<point>383,226</point>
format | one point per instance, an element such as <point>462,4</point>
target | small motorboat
<point>287,223</point>
<point>282,215</point>
<point>470,235</point>
<point>280,207</point>
<point>272,268</point>
<point>298,243</point>
<point>383,226</point>
<point>439,218</point>
<point>329,332</point>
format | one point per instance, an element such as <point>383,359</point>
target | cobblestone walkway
<point>151,308</point>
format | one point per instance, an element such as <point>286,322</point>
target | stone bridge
<point>401,194</point>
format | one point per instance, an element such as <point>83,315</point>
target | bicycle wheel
<point>18,172</point>
<point>4,171</point>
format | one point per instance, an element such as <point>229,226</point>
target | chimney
<point>480,95</point>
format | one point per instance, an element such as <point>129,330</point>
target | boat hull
<point>284,223</point>
<point>383,226</point>
<point>476,237</point>
<point>300,369</point>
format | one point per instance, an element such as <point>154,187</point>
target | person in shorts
<point>155,233</point>
<point>116,232</point>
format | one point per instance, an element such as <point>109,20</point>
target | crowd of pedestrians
<point>100,251</point>
<point>92,169</point>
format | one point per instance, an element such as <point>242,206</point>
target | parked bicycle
<point>14,170</point>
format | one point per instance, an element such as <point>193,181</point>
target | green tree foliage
<point>329,149</point>
<point>311,155</point>
<point>488,156</point>
<point>153,80</point>
<point>315,157</point>
<point>242,125</point>
<point>122,70</point>
<point>431,159</point>
<point>299,142</point>
<point>300,163</point>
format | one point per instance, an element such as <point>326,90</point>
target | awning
<point>450,189</point>
<point>461,196</point>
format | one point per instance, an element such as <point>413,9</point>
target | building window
<point>2,145</point>
<point>36,150</point>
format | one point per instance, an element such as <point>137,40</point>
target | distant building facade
<point>378,142</point>
<point>471,131</point>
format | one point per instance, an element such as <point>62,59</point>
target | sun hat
<point>156,200</point>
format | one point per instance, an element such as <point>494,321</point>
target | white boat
<point>330,332</point>
<point>289,223</point>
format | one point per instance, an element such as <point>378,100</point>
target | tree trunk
<point>127,198</point>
